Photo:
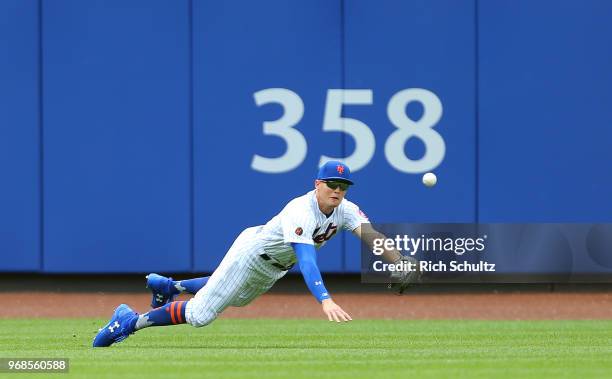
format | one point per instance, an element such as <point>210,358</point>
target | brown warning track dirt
<point>488,306</point>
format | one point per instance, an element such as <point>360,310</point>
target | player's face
<point>328,197</point>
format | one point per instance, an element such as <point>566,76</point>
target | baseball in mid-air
<point>430,179</point>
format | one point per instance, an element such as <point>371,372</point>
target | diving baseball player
<point>259,257</point>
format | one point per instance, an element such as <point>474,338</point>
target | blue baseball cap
<point>335,170</point>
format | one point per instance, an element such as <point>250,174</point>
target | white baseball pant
<point>240,278</point>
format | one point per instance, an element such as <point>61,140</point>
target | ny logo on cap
<point>340,169</point>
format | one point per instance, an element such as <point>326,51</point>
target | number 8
<point>407,128</point>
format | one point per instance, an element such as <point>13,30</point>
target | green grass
<point>316,349</point>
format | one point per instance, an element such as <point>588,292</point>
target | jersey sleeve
<point>353,216</point>
<point>298,225</point>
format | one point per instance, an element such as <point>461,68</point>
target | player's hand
<point>334,312</point>
<point>405,279</point>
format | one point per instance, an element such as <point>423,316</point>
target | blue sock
<point>191,285</point>
<point>169,314</point>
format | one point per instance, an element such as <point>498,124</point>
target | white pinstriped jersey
<point>301,221</point>
<point>243,274</point>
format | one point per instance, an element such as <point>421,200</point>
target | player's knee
<point>202,317</point>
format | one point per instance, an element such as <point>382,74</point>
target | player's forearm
<point>392,256</point>
<point>314,281</point>
<point>389,255</point>
<point>310,271</point>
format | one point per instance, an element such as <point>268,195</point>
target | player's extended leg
<point>209,303</point>
<point>241,277</point>
<point>236,285</point>
<point>165,289</point>
<point>125,322</point>
<point>231,284</point>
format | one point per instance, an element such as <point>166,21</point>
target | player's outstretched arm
<point>404,279</point>
<point>306,256</point>
<point>368,234</point>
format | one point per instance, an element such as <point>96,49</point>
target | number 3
<point>283,127</point>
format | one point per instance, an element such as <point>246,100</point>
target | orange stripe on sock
<point>172,305</point>
<point>178,312</point>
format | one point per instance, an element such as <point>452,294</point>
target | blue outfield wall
<point>116,136</point>
<point>545,96</point>
<point>20,244</point>
<point>169,127</point>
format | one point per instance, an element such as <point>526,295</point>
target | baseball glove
<point>402,280</point>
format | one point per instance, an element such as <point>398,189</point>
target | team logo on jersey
<point>329,233</point>
<point>340,169</point>
<point>299,231</point>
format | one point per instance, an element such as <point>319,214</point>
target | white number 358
<point>365,143</point>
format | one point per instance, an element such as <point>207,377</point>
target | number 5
<point>365,144</point>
